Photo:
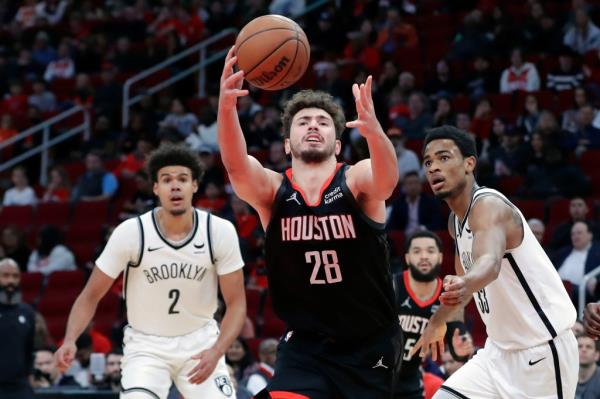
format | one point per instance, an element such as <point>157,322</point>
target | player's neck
<point>585,373</point>
<point>459,203</point>
<point>175,227</point>
<point>311,177</point>
<point>424,290</point>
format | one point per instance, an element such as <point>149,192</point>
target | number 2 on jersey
<point>329,260</point>
<point>173,294</point>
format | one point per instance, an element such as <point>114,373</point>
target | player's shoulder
<point>218,224</point>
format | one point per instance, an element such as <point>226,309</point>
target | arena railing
<point>583,288</point>
<point>200,48</point>
<point>44,128</point>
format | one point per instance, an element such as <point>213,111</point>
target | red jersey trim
<point>286,395</point>
<point>414,297</point>
<point>288,173</point>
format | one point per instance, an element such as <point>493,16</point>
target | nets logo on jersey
<point>224,385</point>
<point>467,260</point>
<point>310,227</point>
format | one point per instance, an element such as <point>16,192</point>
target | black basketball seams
<point>258,33</point>
<point>291,65</point>
<point>270,54</point>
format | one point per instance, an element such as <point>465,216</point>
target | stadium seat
<point>91,212</point>
<point>56,213</point>
<point>531,208</point>
<point>272,326</point>
<point>31,287</point>
<point>21,216</point>
<point>254,302</point>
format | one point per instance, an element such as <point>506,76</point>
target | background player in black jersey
<point>417,295</point>
<point>327,257</point>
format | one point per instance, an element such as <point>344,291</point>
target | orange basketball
<point>272,51</point>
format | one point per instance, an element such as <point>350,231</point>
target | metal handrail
<point>199,48</point>
<point>583,287</point>
<point>47,142</point>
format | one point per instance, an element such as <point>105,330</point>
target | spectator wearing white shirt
<point>583,36</point>
<point>267,354</point>
<point>50,255</point>
<point>21,193</point>
<point>184,122</point>
<point>408,161</point>
<point>42,98</point>
<point>519,75</point>
<point>61,68</point>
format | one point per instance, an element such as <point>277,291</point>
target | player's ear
<point>286,146</point>
<point>195,185</point>
<point>338,147</point>
<point>155,188</point>
<point>470,163</point>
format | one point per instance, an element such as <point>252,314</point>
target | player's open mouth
<point>176,200</point>
<point>313,138</point>
<point>437,182</point>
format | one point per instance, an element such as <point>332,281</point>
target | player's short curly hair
<point>174,155</point>
<point>463,140</point>
<point>313,99</point>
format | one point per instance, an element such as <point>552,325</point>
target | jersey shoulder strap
<point>208,235</point>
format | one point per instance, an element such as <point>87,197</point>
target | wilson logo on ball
<point>267,76</point>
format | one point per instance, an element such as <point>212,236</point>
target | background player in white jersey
<point>174,258</point>
<point>531,351</point>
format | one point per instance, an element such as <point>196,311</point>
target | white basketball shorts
<point>547,371</point>
<point>150,363</point>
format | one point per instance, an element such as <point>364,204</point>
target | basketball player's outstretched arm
<point>250,180</point>
<point>377,176</point>
<point>81,314</point>
<point>232,287</point>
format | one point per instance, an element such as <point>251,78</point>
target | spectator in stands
<point>84,90</point>
<point>96,183</point>
<point>239,357</point>
<point>260,132</point>
<point>179,118</point>
<point>14,245</point>
<point>21,193</point>
<point>42,98</point>
<point>540,31</point>
<point>588,385</point>
<point>569,117</point>
<point>395,34</point>
<point>326,34</point>
<point>483,121</point>
<point>449,364</point>
<point>135,161</point>
<point>59,186</point>
<point>50,255</point>
<point>124,58</point>
<point>588,132</point>
<point>408,161</point>
<point>25,67</point>
<point>578,212</point>
<point>443,113</point>
<point>578,328</point>
<point>537,228</point>
<point>388,78</point>
<point>431,384</point>
<point>579,258</point>
<point>278,160</point>
<point>528,120</point>
<point>143,199</point>
<point>213,171</point>
<point>568,75</point>
<point>26,16</point>
<point>263,371</point>
<point>15,102</point>
<point>51,12</point>
<point>45,373</point>
<point>289,8</point>
<point>241,391</point>
<point>112,372</point>
<point>42,339</point>
<point>17,324</point>
<point>42,53</point>
<point>544,167</point>
<point>443,84</point>
<point>584,35</point>
<point>519,75</point>
<point>63,66</point>
<point>472,38</point>
<point>508,159</point>
<point>7,131</point>
<point>414,210</point>
<point>80,368</point>
<point>418,119</point>
<point>108,95</point>
<point>483,80</point>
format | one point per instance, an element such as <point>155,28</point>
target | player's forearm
<point>384,163</point>
<point>230,137</point>
<point>232,324</point>
<point>82,312</point>
<point>484,271</point>
<point>446,313</point>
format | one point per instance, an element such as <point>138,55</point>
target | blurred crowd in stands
<point>523,77</point>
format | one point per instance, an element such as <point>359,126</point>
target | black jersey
<point>413,315</point>
<point>328,263</point>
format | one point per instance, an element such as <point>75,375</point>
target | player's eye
<point>427,164</point>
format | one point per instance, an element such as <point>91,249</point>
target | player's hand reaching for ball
<point>591,320</point>
<point>63,357</point>
<point>231,82</point>
<point>207,361</point>
<point>366,121</point>
<point>455,292</point>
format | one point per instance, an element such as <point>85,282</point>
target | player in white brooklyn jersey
<point>174,259</point>
<point>530,351</point>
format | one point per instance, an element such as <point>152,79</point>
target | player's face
<point>446,169</point>
<point>312,136</point>
<point>44,362</point>
<point>113,366</point>
<point>175,188</point>
<point>10,278</point>
<point>450,365</point>
<point>424,259</point>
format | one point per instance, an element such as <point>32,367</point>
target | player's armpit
<point>255,184</point>
<point>362,180</point>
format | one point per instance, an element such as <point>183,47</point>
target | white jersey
<point>527,304</point>
<point>171,290</point>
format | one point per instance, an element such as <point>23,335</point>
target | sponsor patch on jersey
<point>334,194</point>
<point>224,385</point>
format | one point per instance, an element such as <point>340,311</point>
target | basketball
<point>273,52</point>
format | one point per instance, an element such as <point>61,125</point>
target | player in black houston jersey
<point>417,295</point>
<point>327,259</point>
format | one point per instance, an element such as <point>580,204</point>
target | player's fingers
<point>354,124</point>
<point>442,346</point>
<point>456,333</point>
<point>368,92</point>
<point>591,312</point>
<point>591,329</point>
<point>355,91</point>
<point>233,80</point>
<point>434,351</point>
<point>416,347</point>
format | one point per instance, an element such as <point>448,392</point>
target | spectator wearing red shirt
<point>59,187</point>
<point>16,101</point>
